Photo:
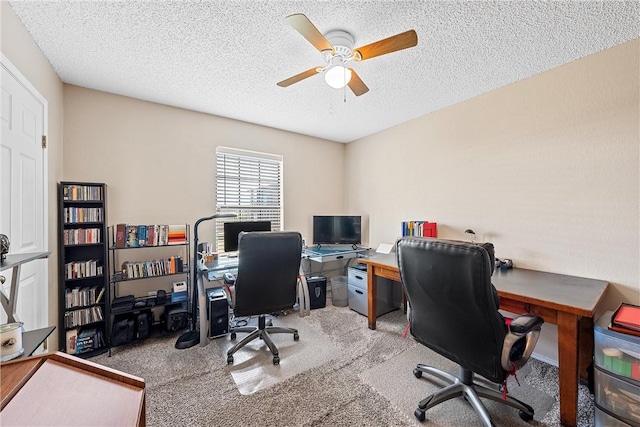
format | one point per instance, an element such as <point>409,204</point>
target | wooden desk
<point>57,389</point>
<point>569,302</point>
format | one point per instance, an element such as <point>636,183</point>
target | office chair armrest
<point>520,341</point>
<point>525,323</point>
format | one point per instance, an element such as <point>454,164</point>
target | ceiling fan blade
<point>295,79</point>
<point>388,45</point>
<point>301,24</point>
<point>356,84</point>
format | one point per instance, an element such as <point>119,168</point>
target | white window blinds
<point>250,185</point>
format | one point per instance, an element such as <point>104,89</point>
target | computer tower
<point>218,312</point>
<point>317,291</point>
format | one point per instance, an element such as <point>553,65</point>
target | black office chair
<point>268,269</point>
<point>454,312</point>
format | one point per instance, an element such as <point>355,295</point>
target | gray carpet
<point>363,378</point>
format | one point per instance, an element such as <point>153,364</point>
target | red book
<point>120,236</point>
<point>627,316</point>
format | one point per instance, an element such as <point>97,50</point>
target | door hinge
<point>44,141</point>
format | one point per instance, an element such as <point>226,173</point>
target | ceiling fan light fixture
<point>337,76</point>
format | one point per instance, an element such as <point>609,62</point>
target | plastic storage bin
<point>617,376</point>
<point>389,294</point>
<point>617,396</point>
<point>617,353</point>
<point>604,419</point>
<point>339,293</point>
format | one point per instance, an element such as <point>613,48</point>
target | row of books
<point>156,267</point>
<point>83,316</point>
<point>73,215</point>
<point>133,236</point>
<point>81,236</point>
<point>420,229</point>
<point>82,269</point>
<point>81,193</point>
<point>80,297</point>
<point>83,340</point>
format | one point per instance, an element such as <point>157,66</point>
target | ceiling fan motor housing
<point>342,43</point>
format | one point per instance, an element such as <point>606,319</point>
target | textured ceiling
<point>225,57</point>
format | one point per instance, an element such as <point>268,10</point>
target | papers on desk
<point>384,248</point>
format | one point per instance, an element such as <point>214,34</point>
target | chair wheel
<point>418,374</point>
<point>524,416</point>
<point>229,359</point>
<point>276,360</point>
<point>296,337</point>
<point>233,335</point>
<point>419,414</point>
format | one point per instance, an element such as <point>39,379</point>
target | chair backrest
<point>454,306</point>
<point>268,268</point>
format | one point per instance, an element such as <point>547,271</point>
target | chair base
<point>464,386</point>
<point>261,331</point>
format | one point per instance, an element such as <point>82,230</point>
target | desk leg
<point>372,287</point>
<point>568,369</point>
<point>585,347</point>
<point>9,302</point>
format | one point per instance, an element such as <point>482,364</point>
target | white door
<point>22,213</point>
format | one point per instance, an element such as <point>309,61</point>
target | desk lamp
<point>191,338</point>
<point>472,234</point>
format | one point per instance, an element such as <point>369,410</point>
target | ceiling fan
<point>337,50</point>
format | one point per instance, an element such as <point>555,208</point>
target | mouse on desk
<point>229,278</point>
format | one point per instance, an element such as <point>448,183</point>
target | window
<point>248,184</point>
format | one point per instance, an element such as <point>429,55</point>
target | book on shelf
<point>156,267</point>
<point>80,340</point>
<point>120,237</point>
<point>136,236</point>
<point>72,335</point>
<point>132,236</point>
<point>627,316</point>
<point>142,235</point>
<point>99,297</point>
<point>177,235</point>
<point>621,330</point>
<point>81,193</point>
<point>151,235</point>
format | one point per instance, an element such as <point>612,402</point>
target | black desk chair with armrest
<point>454,312</point>
<point>268,269</point>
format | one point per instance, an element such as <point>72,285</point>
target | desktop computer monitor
<point>337,229</point>
<point>233,229</point>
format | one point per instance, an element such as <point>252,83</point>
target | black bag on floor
<point>142,325</point>
<point>123,330</point>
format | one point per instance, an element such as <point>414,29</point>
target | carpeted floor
<point>340,373</point>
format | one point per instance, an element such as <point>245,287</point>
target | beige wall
<point>159,165</point>
<point>18,46</point>
<point>547,169</point>
<point>159,161</point>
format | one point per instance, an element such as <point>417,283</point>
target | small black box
<point>177,318</point>
<point>317,291</point>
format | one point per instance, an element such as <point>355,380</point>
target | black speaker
<point>218,312</point>
<point>177,318</point>
<point>317,291</point>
